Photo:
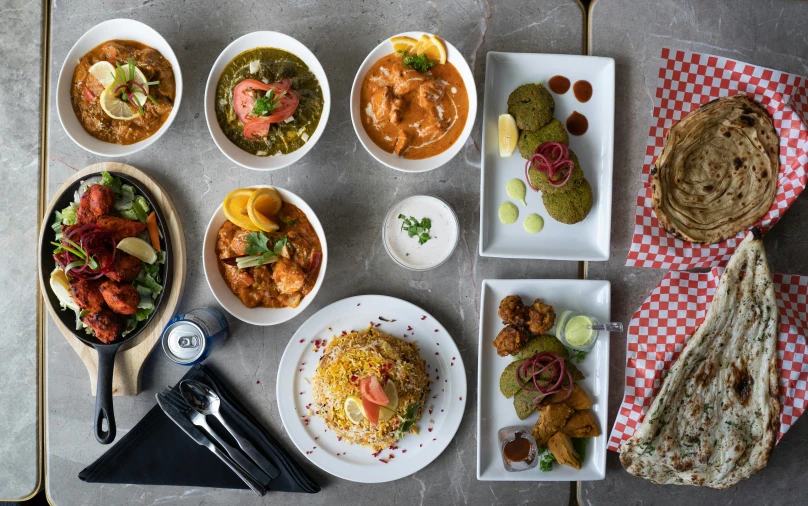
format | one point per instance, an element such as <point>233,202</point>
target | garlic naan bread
<point>715,420</point>
<point>717,173</point>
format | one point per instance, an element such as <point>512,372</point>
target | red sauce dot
<point>301,340</point>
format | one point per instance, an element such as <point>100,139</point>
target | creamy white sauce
<point>454,90</point>
<point>369,112</point>
<point>443,234</point>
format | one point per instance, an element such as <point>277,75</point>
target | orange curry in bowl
<point>122,91</point>
<point>413,114</point>
<point>289,274</point>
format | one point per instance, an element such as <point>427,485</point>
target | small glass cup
<point>508,434</point>
<point>560,330</point>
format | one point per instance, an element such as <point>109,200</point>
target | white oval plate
<point>238,46</point>
<point>121,29</point>
<point>454,57</point>
<point>231,303</point>
<point>446,400</point>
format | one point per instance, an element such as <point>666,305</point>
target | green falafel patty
<point>571,205</point>
<point>542,182</point>
<point>532,106</point>
<point>553,131</point>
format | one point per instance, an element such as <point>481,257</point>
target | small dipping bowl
<point>444,233</point>
<point>518,448</point>
<point>568,321</point>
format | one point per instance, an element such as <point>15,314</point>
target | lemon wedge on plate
<point>508,135</point>
<point>263,203</point>
<point>61,288</point>
<point>235,208</point>
<point>387,412</point>
<point>404,43</point>
<point>139,249</point>
<point>433,47</point>
<point>353,409</point>
<point>104,71</point>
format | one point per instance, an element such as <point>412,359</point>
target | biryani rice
<point>349,358</point>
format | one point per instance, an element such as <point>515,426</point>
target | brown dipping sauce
<point>283,283</point>
<point>412,114</point>
<point>518,450</point>
<point>582,91</point>
<point>577,123</point>
<point>559,84</point>
<point>86,90</point>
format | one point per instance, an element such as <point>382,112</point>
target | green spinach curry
<point>268,102</point>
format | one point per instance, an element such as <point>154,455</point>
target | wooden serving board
<point>132,355</point>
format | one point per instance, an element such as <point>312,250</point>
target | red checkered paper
<point>686,81</point>
<point>672,313</point>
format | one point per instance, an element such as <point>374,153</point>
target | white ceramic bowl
<point>257,315</point>
<point>238,46</point>
<point>454,57</point>
<point>121,29</point>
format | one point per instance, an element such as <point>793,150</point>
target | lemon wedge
<point>235,208</point>
<point>103,71</point>
<point>508,135</point>
<point>353,409</point>
<point>263,203</point>
<point>387,412</point>
<point>139,249</point>
<point>433,47</point>
<point>61,288</point>
<point>403,43</point>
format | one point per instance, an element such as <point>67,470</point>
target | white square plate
<point>494,411</point>
<point>589,239</point>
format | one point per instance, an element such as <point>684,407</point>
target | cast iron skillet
<point>106,352</point>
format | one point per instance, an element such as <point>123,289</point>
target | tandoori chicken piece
<point>386,106</point>
<point>86,295</point>
<point>288,276</point>
<point>125,268</point>
<point>551,418</point>
<point>96,201</point>
<point>402,143</point>
<point>106,325</point>
<point>121,298</point>
<point>403,79</point>
<point>582,423</point>
<point>120,227</point>
<point>560,445</point>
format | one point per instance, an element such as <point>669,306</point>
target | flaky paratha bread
<point>715,420</point>
<point>717,174</point>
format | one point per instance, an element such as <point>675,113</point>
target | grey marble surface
<point>633,33</point>
<point>350,193</point>
<point>20,84</point>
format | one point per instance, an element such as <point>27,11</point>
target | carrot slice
<point>154,235</point>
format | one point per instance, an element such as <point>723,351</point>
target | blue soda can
<point>190,338</point>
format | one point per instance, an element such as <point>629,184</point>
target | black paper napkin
<point>157,452</point>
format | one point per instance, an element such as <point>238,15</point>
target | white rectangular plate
<point>494,411</point>
<point>589,239</point>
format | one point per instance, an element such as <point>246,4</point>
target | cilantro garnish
<point>417,62</point>
<point>415,228</point>
<point>546,460</point>
<point>407,421</point>
<point>266,104</point>
<point>577,356</point>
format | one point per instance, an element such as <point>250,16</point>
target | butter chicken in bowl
<point>413,102</point>
<point>264,255</point>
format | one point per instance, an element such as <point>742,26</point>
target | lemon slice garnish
<point>103,71</point>
<point>111,102</point>
<point>387,412</point>
<point>433,47</point>
<point>508,135</point>
<point>403,43</point>
<point>263,203</point>
<point>353,409</point>
<point>61,288</point>
<point>235,208</point>
<point>139,249</point>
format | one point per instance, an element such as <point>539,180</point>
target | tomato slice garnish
<point>372,390</point>
<point>255,128</point>
<point>88,95</point>
<point>371,410</point>
<point>244,97</point>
